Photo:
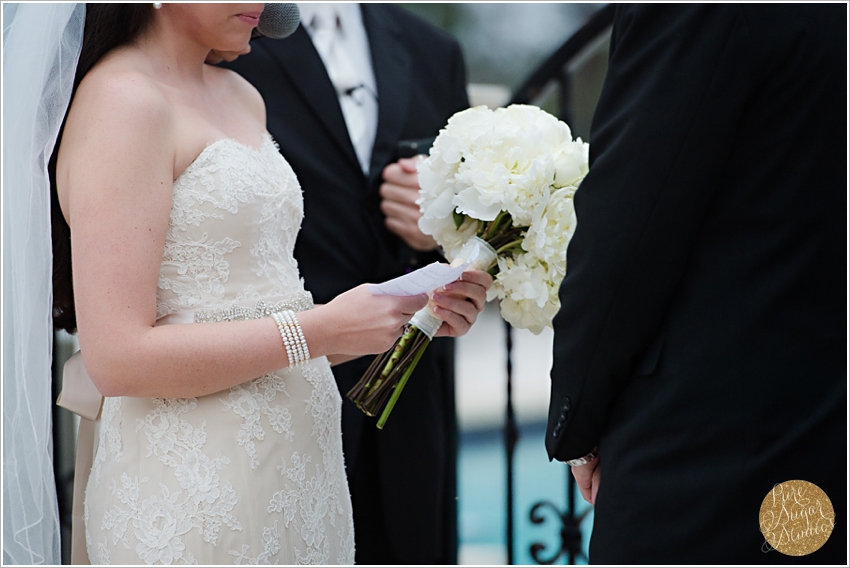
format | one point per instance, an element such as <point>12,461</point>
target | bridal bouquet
<point>501,182</point>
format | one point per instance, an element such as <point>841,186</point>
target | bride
<point>220,437</point>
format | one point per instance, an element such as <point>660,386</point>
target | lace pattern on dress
<point>306,502</point>
<point>225,178</point>
<point>251,401</point>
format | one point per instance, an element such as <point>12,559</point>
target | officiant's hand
<point>459,303</point>
<point>399,193</point>
<point>587,478</point>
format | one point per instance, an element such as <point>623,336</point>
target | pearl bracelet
<point>292,337</point>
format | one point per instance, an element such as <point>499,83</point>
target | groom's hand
<point>399,193</point>
<point>587,478</point>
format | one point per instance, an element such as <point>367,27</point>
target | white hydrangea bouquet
<point>505,179</point>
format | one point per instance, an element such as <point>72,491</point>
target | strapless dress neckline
<point>267,141</point>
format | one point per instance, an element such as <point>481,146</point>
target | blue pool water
<point>482,489</point>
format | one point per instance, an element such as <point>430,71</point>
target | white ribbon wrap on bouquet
<point>425,319</point>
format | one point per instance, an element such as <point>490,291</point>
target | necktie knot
<point>327,31</point>
<point>325,19</point>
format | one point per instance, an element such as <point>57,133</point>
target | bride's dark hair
<point>107,26</point>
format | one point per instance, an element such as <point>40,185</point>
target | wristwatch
<point>583,460</point>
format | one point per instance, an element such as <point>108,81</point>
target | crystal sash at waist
<point>79,395</point>
<point>298,302</point>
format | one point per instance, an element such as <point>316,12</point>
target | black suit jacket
<point>343,243</point>
<point>702,337</point>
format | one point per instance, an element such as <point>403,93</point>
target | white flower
<point>571,164</point>
<point>450,238</point>
<point>524,314</point>
<point>520,160</point>
<point>550,232</point>
<point>529,299</point>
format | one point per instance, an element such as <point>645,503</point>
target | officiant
<point>342,92</point>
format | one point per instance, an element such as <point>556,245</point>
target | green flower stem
<point>371,372</point>
<point>359,391</point>
<point>493,226</point>
<point>377,384</point>
<point>376,396</point>
<point>400,386</point>
<point>508,235</point>
<point>398,352</point>
<point>514,246</point>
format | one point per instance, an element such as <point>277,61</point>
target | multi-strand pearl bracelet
<point>292,337</point>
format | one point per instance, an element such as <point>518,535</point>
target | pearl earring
<point>157,5</point>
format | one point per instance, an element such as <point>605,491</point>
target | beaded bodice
<point>205,242</point>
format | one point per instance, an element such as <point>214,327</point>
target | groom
<point>339,99</point>
<point>701,344</point>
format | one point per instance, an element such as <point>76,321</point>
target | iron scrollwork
<point>570,533</point>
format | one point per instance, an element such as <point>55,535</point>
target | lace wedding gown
<point>253,474</point>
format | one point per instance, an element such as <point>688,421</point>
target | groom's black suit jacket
<point>702,337</point>
<point>405,476</point>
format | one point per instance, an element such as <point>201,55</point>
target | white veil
<point>41,45</point>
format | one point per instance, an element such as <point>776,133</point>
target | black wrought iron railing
<point>555,71</point>
<point>556,67</point>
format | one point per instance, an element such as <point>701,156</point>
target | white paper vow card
<point>424,280</point>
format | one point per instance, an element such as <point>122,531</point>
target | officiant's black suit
<point>702,337</point>
<point>402,478</point>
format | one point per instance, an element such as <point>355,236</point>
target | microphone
<point>278,21</point>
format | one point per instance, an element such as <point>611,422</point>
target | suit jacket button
<point>565,404</point>
<point>556,431</point>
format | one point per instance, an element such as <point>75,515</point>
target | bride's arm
<point>115,172</point>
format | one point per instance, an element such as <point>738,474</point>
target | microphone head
<point>279,20</point>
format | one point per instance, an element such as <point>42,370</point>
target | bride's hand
<point>366,323</point>
<point>459,303</point>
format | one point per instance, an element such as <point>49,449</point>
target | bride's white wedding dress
<point>252,474</point>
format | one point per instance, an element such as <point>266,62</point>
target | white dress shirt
<point>349,62</point>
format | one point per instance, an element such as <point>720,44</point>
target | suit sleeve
<point>672,97</point>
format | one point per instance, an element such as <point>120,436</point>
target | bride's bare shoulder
<point>117,111</point>
<point>117,92</point>
<point>239,91</point>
